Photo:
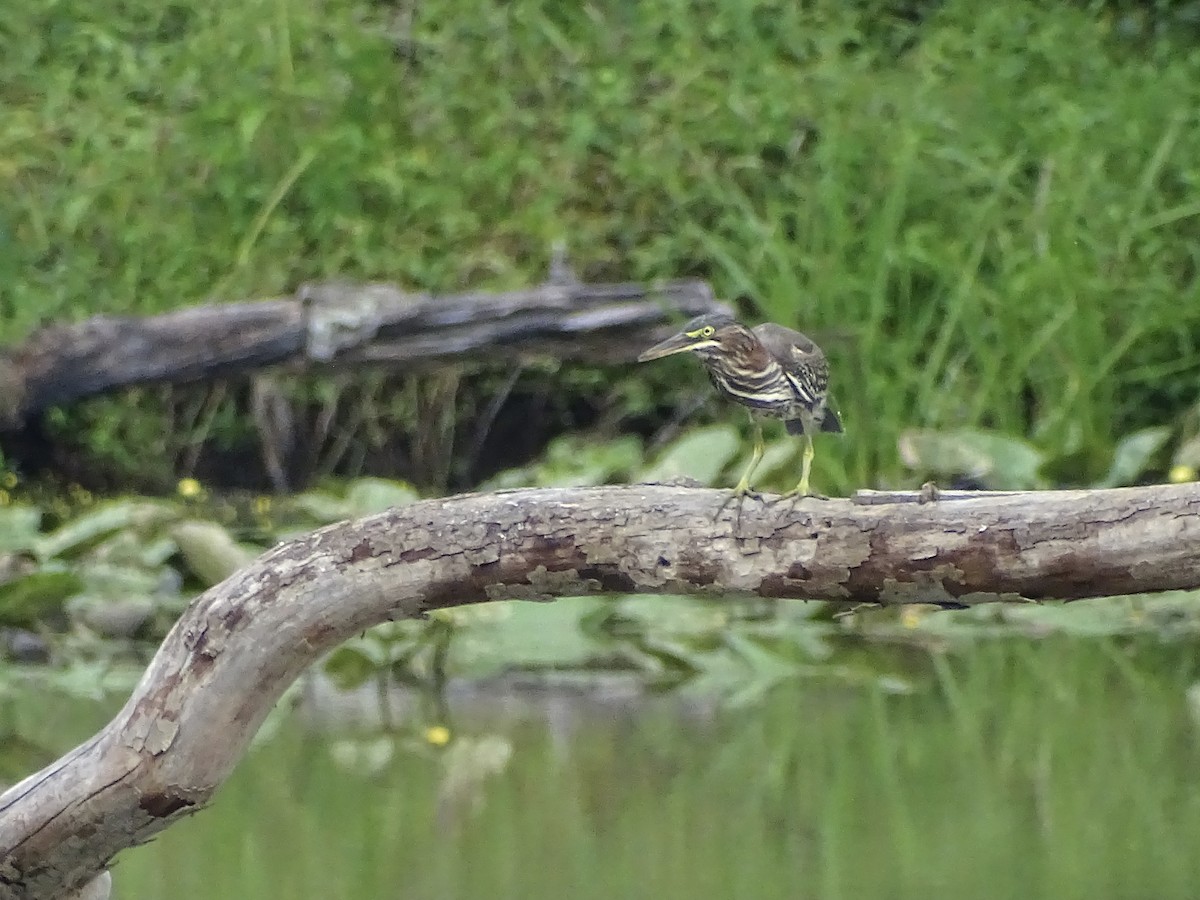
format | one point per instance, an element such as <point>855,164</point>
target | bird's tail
<point>830,422</point>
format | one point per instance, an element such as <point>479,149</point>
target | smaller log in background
<point>341,325</point>
<point>443,391</point>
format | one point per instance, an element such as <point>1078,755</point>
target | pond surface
<point>1057,768</point>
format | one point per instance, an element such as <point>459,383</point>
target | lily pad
<point>666,615</point>
<point>998,461</point>
<point>361,659</point>
<point>701,454</point>
<point>575,461</point>
<point>502,642</point>
<point>209,551</point>
<point>34,597</point>
<point>1133,455</point>
<point>19,527</point>
<point>367,496</point>
<point>364,497</point>
<point>100,523</point>
<point>322,506</point>
<point>116,581</point>
<point>109,617</point>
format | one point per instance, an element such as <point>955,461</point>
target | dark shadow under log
<point>240,644</point>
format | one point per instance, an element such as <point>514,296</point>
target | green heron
<point>771,370</point>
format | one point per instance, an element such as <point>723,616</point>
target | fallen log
<point>337,324</point>
<point>241,643</point>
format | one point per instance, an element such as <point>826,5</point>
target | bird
<point>773,371</point>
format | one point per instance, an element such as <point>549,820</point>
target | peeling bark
<point>240,644</point>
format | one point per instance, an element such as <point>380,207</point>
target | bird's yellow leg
<point>743,486</point>
<point>801,489</point>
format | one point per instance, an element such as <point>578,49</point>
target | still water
<point>1053,768</point>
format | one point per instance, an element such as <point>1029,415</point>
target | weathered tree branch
<point>240,644</point>
<point>340,324</point>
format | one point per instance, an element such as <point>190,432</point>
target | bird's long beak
<point>675,344</point>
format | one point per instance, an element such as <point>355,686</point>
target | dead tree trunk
<point>240,644</point>
<point>340,324</point>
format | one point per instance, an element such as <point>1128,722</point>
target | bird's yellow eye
<point>707,331</point>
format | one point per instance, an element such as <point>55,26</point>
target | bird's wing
<point>801,359</point>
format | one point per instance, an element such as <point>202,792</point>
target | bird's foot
<point>741,492</point>
<point>795,495</point>
<point>800,492</point>
<point>738,495</point>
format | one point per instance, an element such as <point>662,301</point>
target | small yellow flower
<point>9,481</point>
<point>262,506</point>
<point>910,616</point>
<point>189,488</point>
<point>1181,473</point>
<point>438,735</point>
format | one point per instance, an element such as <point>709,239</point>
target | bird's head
<point>704,335</point>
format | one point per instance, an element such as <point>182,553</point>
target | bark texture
<point>341,324</point>
<point>241,643</point>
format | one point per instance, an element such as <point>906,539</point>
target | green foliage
<point>989,459</point>
<point>1134,456</point>
<point>997,461</point>
<point>19,528</point>
<point>108,520</point>
<point>29,599</point>
<point>575,460</point>
<point>986,215</point>
<point>107,568</point>
<point>701,454</point>
<point>208,551</point>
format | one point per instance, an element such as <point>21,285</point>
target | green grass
<point>1057,769</point>
<point>988,218</point>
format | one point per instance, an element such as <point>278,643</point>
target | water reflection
<point>1053,768</point>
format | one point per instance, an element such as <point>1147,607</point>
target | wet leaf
<point>1133,456</point>
<point>31,598</point>
<point>739,678</point>
<point>210,552</point>
<point>998,461</point>
<point>112,617</point>
<point>116,581</point>
<point>353,664</point>
<point>1173,614</point>
<point>701,454</point>
<point>367,496</point>
<point>575,461</point>
<point>102,522</point>
<point>155,553</point>
<point>363,497</point>
<point>505,642</point>
<point>667,614</point>
<point>322,506</point>
<point>19,528</point>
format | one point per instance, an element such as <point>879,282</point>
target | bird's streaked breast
<point>764,389</point>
